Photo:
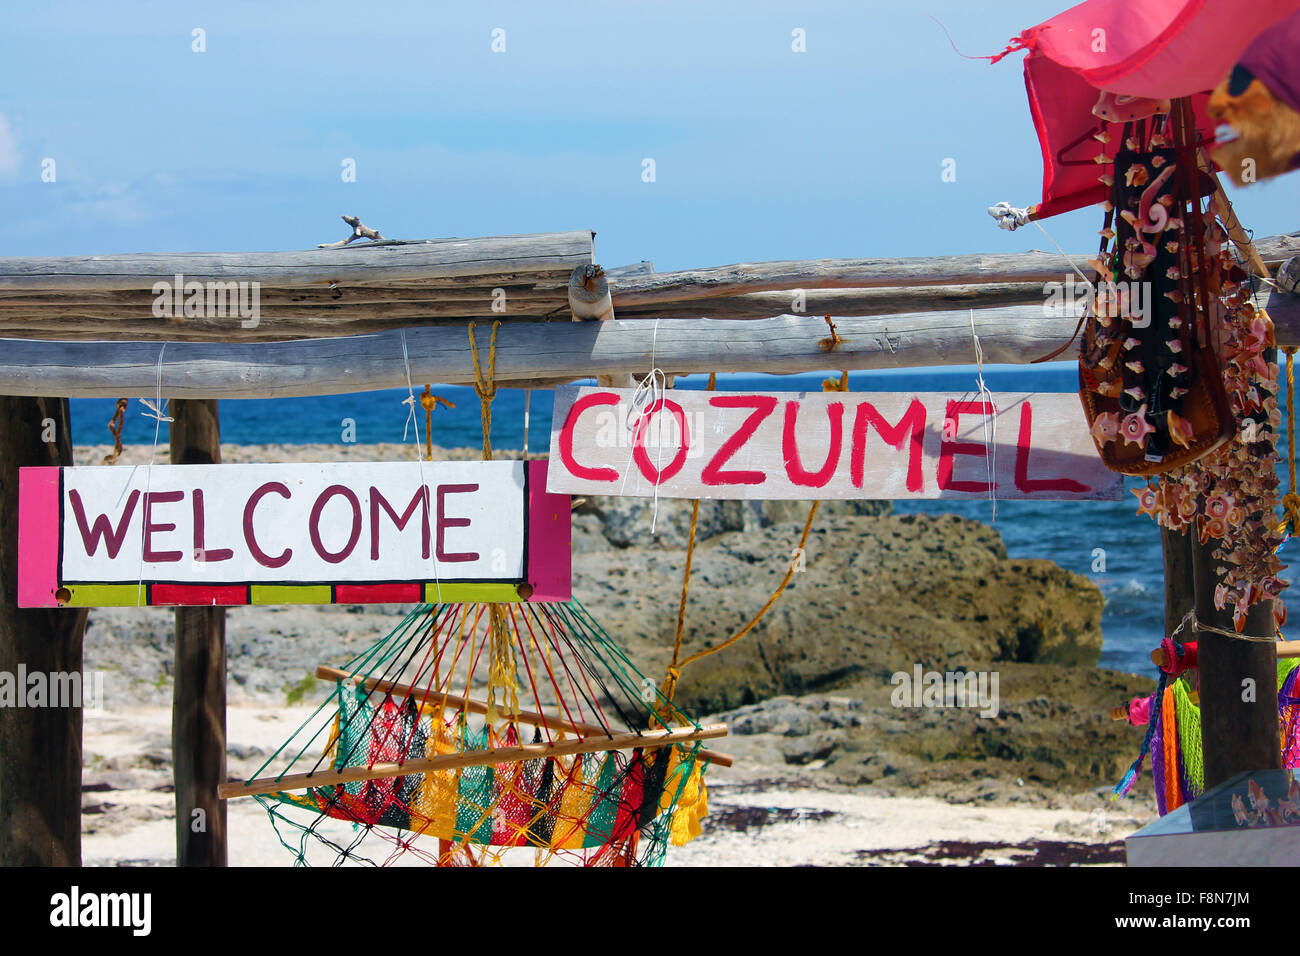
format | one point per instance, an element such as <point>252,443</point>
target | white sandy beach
<point>756,819</point>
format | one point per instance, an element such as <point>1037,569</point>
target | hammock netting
<point>1177,763</point>
<point>469,679</point>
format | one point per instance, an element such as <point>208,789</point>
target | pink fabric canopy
<point>1150,48</point>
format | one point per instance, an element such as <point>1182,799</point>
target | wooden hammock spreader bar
<point>1285,650</point>
<point>532,718</point>
<point>648,740</point>
<point>1121,712</point>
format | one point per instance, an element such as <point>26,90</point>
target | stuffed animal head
<point>1257,106</point>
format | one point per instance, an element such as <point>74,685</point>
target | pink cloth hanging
<point>1153,48</point>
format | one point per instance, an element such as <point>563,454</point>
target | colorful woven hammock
<point>1174,736</point>
<point>562,777</point>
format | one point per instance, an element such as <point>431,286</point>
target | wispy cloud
<point>8,150</point>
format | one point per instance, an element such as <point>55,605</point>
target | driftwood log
<point>387,285</point>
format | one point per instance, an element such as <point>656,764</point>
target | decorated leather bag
<point>1150,382</point>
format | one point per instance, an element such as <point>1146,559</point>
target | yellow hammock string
<point>430,401</point>
<point>486,388</point>
<point>675,668</point>
<point>501,654</point>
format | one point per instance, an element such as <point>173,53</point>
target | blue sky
<point>760,152</point>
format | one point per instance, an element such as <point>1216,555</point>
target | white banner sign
<point>806,445</point>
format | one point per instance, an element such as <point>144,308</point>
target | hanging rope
<point>486,388</point>
<point>675,668</point>
<point>430,401</point>
<point>115,428</point>
<point>412,420</point>
<point>1291,500</point>
<point>502,671</point>
<point>157,410</point>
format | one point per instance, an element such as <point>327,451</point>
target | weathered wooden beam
<point>40,746</point>
<point>417,261</point>
<point>120,316</point>
<point>842,302</point>
<point>111,298</point>
<point>533,352</point>
<point>525,351</point>
<point>1180,587</point>
<point>644,267</point>
<point>749,277</point>
<point>1238,682</point>
<point>199,679</point>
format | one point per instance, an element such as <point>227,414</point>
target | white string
<point>528,397</point>
<point>411,419</point>
<point>648,392</point>
<point>1197,624</point>
<point>990,421</point>
<point>1064,255</point>
<point>157,411</point>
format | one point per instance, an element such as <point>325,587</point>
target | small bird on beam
<point>589,296</point>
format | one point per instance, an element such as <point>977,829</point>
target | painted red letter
<point>643,461</point>
<point>376,500</point>
<point>258,554</point>
<point>103,528</point>
<point>763,405</point>
<point>790,447</point>
<point>950,448</point>
<point>313,526</point>
<point>444,522</point>
<point>201,553</point>
<point>566,438</point>
<point>150,555</point>
<point>913,421</point>
<point>1023,481</point>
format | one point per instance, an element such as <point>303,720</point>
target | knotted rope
<point>430,401</point>
<point>675,668</point>
<point>485,387</point>
<point>115,429</point>
<point>409,402</point>
<point>502,671</point>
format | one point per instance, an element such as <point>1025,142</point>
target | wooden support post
<point>1239,729</point>
<point>1179,580</point>
<point>199,690</point>
<point>40,747</point>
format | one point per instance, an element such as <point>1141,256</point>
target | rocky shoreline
<point>809,693</point>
